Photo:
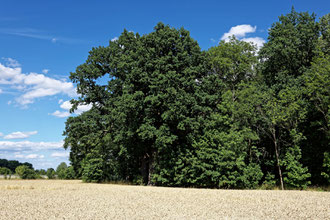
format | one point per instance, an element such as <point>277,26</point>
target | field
<point>57,199</point>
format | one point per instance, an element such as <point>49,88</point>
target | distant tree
<point>12,164</point>
<point>41,172</point>
<point>61,170</point>
<point>5,171</point>
<point>25,172</point>
<point>50,173</point>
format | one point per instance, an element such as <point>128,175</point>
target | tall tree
<point>291,46</point>
<point>149,102</point>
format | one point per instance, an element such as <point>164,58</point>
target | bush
<point>5,171</point>
<point>92,170</point>
<point>24,172</point>
<point>50,173</point>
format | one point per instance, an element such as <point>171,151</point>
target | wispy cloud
<point>29,156</point>
<point>20,146</point>
<point>60,154</point>
<point>41,35</point>
<point>10,62</point>
<point>61,114</point>
<point>20,135</point>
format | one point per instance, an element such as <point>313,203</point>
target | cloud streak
<point>20,135</point>
<point>37,34</point>
<point>29,146</point>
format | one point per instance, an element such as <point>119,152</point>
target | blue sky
<point>41,42</point>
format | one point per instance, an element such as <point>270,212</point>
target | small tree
<point>61,170</point>
<point>5,171</point>
<point>93,171</point>
<point>69,173</point>
<point>25,172</point>
<point>50,173</point>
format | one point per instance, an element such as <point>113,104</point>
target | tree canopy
<point>167,113</point>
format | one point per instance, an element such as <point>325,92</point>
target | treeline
<point>166,113</point>
<point>26,171</point>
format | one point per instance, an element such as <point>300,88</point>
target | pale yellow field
<point>56,199</point>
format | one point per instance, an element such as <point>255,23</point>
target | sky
<point>41,42</point>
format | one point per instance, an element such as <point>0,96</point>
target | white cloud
<point>239,31</point>
<point>60,154</point>
<point>0,91</point>
<point>114,39</point>
<point>60,114</point>
<point>29,146</point>
<point>45,71</point>
<point>81,108</point>
<point>10,62</point>
<point>255,40</point>
<point>29,156</point>
<point>54,40</point>
<point>60,101</point>
<point>67,106</point>
<point>1,134</point>
<point>33,85</point>
<point>20,135</point>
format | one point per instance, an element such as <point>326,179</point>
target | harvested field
<point>57,199</point>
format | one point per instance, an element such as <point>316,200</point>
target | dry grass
<point>56,199</point>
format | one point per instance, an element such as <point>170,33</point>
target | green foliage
<point>269,182</point>
<point>61,170</point>
<point>93,170</point>
<point>50,173</point>
<point>324,40</point>
<point>233,61</point>
<point>326,167</point>
<point>12,164</point>
<point>291,46</point>
<point>166,113</point>
<point>25,172</point>
<point>5,172</point>
<point>295,175</point>
<point>41,172</point>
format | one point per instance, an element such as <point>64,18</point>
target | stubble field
<point>57,199</point>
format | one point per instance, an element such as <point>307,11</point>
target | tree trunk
<point>277,159</point>
<point>145,168</point>
<point>151,168</point>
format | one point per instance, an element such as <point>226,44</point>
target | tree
<point>61,170</point>
<point>5,171</point>
<point>148,106</point>
<point>25,172</point>
<point>324,40</point>
<point>69,173</point>
<point>291,46</point>
<point>50,173</point>
<point>234,62</point>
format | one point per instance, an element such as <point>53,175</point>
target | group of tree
<point>235,116</point>
<point>26,171</point>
